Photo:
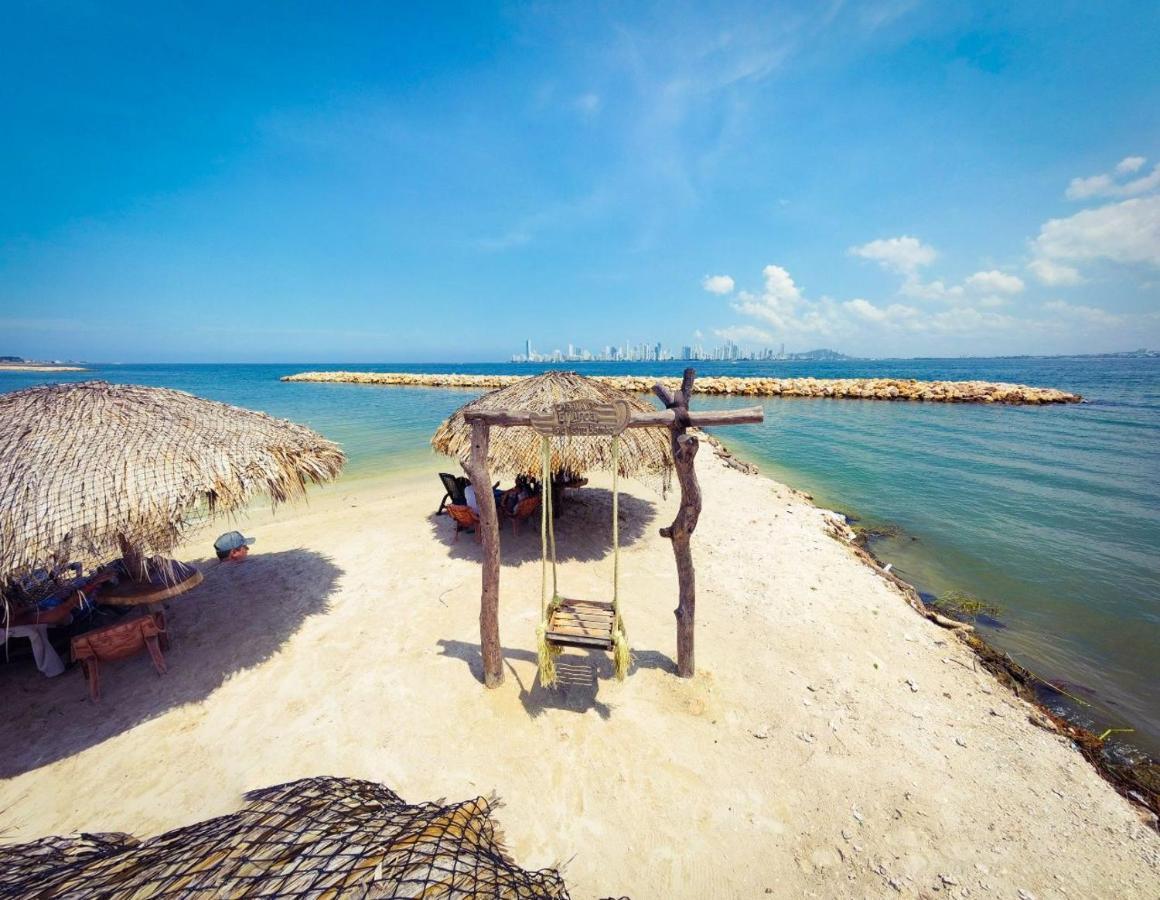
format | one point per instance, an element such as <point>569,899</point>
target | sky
<point>277,182</point>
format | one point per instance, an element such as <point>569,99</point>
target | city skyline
<point>656,351</point>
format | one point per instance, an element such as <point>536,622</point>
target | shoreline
<point>1138,781</point>
<point>887,389</point>
<point>832,743</point>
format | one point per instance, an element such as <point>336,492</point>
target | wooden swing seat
<point>586,624</point>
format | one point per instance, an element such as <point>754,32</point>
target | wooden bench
<point>119,641</point>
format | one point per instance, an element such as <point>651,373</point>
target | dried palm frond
<point>644,452</point>
<point>91,470</point>
<point>318,837</point>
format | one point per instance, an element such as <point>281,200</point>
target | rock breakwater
<point>834,388</point>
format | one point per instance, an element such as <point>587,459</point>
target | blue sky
<point>374,182</point>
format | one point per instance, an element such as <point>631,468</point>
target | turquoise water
<point>1050,513</point>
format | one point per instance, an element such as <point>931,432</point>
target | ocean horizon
<point>1050,514</point>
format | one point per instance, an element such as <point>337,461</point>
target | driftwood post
<point>685,447</point>
<point>489,532</point>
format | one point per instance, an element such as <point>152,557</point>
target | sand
<point>832,744</point>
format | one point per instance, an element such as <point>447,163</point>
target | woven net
<point>318,837</point>
<point>645,453</point>
<point>90,468</point>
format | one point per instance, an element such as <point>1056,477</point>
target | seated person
<point>472,500</point>
<point>521,492</point>
<point>233,546</point>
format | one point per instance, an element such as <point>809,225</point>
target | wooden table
<point>153,592</point>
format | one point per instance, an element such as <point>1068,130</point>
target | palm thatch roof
<point>317,837</point>
<point>644,452</point>
<point>90,469</point>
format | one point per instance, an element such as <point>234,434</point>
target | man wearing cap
<point>232,546</point>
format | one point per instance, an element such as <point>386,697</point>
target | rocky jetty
<point>836,388</point>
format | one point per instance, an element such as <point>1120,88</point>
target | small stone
<point>761,734</point>
<point>913,685</point>
<point>810,687</point>
<point>960,742</point>
<point>1025,895</point>
<point>996,713</point>
<point>805,736</point>
<point>858,848</point>
<point>948,880</point>
<point>846,834</point>
<point>857,815</point>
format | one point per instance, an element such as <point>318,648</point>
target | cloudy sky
<point>296,182</point>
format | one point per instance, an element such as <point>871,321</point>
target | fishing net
<point>332,837</point>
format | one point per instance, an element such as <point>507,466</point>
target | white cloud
<point>929,290</point>
<point>1105,184</point>
<point>865,309</point>
<point>992,301</point>
<point>1130,164</point>
<point>698,334</point>
<point>744,334</point>
<point>904,255</point>
<point>1090,315</point>
<point>717,284</point>
<point>994,281</point>
<point>1055,274</point>
<point>1126,232</point>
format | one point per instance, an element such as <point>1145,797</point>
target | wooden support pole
<point>134,561</point>
<point>685,448</point>
<point>489,532</point>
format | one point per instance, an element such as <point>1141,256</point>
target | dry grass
<point>644,452</point>
<point>84,466</point>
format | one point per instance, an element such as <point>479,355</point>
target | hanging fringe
<point>621,653</point>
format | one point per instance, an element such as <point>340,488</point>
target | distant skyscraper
<point>528,349</point>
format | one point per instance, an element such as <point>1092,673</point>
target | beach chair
<point>119,641</point>
<point>465,519</point>
<point>454,489</point>
<point>525,509</point>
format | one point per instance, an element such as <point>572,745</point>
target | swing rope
<point>546,653</point>
<point>621,655</point>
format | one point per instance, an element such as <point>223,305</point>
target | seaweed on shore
<point>865,535</point>
<point>964,607</point>
<point>1138,779</point>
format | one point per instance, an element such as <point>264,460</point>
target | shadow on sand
<point>236,619</point>
<point>579,674</point>
<point>583,530</point>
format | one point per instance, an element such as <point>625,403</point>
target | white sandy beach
<point>833,743</point>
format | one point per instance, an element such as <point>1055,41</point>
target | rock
<point>960,742</point>
<point>884,389</point>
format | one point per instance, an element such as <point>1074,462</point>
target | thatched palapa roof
<point>85,467</point>
<point>318,837</point>
<point>644,452</point>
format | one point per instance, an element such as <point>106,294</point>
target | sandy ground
<point>833,743</point>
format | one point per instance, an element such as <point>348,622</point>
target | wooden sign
<point>583,417</point>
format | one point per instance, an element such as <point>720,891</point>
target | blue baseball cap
<point>231,540</point>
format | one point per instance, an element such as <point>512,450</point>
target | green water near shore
<point>1050,513</point>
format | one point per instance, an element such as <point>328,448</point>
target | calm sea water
<point>1050,513</point>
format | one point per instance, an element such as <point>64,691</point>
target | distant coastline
<point>38,367</point>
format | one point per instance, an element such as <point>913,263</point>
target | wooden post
<point>489,532</point>
<point>685,448</point>
<point>134,561</point>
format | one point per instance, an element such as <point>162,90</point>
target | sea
<point>1048,514</point>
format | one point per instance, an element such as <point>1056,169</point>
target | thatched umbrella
<point>644,452</point>
<point>90,471</point>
